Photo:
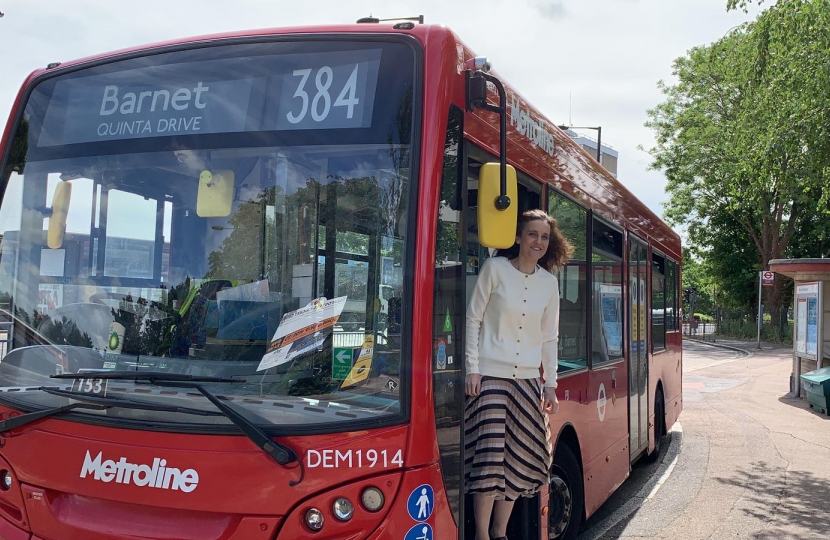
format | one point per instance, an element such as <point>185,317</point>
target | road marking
<point>665,476</point>
<point>648,491</point>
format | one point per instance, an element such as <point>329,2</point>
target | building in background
<point>609,156</point>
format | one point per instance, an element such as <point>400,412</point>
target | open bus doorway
<point>458,261</point>
<point>525,518</point>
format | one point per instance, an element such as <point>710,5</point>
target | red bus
<point>233,281</point>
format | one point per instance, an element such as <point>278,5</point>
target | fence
<point>740,328</point>
<point>701,330</point>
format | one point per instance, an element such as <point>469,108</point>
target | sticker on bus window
<point>363,365</point>
<point>440,354</point>
<point>447,322</point>
<point>302,330</point>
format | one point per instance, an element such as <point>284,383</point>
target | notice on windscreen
<point>302,330</point>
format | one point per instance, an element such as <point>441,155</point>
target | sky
<point>580,62</point>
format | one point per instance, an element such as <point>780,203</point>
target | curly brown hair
<point>559,249</point>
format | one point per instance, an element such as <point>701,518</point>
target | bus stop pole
<point>760,309</point>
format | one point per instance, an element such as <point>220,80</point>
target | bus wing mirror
<point>496,228</point>
<point>215,195</point>
<point>60,211</point>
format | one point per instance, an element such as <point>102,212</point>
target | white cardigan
<point>513,323</point>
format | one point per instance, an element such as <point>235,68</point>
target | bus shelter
<point>811,311</point>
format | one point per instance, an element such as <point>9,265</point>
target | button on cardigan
<point>513,323</point>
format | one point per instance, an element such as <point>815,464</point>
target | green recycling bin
<point>817,384</point>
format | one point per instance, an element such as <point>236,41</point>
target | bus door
<point>524,521</point>
<point>637,350</point>
<point>606,431</point>
<point>458,259</point>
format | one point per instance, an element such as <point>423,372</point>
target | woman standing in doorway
<point>512,331</point>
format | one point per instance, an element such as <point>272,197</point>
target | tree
<point>239,256</point>
<point>743,136</point>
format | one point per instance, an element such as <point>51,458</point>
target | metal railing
<point>701,330</point>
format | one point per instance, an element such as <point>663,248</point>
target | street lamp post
<point>599,138</point>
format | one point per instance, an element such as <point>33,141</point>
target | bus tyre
<point>566,502</point>
<point>659,429</point>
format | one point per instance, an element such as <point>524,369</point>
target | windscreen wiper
<point>278,452</point>
<point>25,419</point>
<point>97,403</point>
<point>111,400</point>
<point>151,376</point>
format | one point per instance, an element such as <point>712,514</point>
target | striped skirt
<point>507,449</point>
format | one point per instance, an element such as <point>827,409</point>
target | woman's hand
<point>550,404</point>
<point>472,384</point>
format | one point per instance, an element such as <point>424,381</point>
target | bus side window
<point>672,292</point>
<point>607,298</point>
<point>573,281</point>
<point>658,301</point>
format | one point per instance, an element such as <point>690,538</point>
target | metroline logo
<point>158,476</point>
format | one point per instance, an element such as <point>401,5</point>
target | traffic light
<point>690,295</point>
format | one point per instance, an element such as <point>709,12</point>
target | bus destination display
<point>333,90</point>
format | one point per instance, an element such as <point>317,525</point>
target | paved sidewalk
<point>754,462</point>
<point>769,455</point>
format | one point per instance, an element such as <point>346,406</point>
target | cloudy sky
<point>583,62</point>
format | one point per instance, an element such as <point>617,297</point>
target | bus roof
<point>419,31</point>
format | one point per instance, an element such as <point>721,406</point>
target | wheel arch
<point>568,436</point>
<point>658,390</point>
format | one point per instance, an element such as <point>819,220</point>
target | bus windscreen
<point>235,211</point>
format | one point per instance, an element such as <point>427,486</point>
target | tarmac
<point>745,460</point>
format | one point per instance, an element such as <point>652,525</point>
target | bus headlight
<point>6,478</point>
<point>314,519</point>
<point>343,509</point>
<point>372,499</point>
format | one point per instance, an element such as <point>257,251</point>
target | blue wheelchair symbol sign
<point>421,531</point>
<point>421,503</point>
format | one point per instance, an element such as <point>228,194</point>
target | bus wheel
<point>659,430</point>
<point>565,505</point>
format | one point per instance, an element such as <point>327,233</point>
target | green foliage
<point>743,137</point>
<point>572,221</point>
<point>448,238</point>
<point>740,4</point>
<point>239,256</point>
<point>66,332</point>
<point>148,326</point>
<point>731,263</point>
<point>448,242</point>
<point>748,330</point>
